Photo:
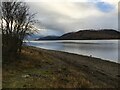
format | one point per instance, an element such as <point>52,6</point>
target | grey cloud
<point>51,20</point>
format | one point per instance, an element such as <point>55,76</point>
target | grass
<point>38,69</point>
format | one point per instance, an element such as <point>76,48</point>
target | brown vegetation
<point>39,68</point>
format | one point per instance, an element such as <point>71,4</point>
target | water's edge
<point>104,49</point>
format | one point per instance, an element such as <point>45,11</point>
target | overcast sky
<point>61,16</point>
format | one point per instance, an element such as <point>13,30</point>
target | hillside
<point>86,35</point>
<point>49,38</point>
<point>91,35</point>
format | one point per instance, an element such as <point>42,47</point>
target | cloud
<point>61,16</point>
<point>73,16</point>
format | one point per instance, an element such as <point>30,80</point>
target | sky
<point>57,17</point>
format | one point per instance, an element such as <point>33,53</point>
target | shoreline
<point>96,48</point>
<point>104,68</point>
<point>76,39</point>
<point>106,60</point>
<point>59,69</point>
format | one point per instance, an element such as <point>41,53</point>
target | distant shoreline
<point>75,39</point>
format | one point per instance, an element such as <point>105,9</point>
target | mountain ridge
<point>86,35</point>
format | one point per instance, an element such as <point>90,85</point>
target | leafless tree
<point>16,24</point>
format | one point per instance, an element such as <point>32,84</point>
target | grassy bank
<point>40,68</point>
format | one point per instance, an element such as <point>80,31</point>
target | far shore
<point>74,39</point>
<point>95,71</point>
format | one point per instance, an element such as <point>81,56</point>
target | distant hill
<point>86,35</point>
<point>49,38</point>
<point>91,35</point>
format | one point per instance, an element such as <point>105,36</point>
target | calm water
<point>104,49</point>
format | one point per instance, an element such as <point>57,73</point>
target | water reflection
<point>105,49</point>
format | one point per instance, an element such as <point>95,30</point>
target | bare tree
<point>16,24</point>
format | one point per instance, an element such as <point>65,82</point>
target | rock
<point>26,76</point>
